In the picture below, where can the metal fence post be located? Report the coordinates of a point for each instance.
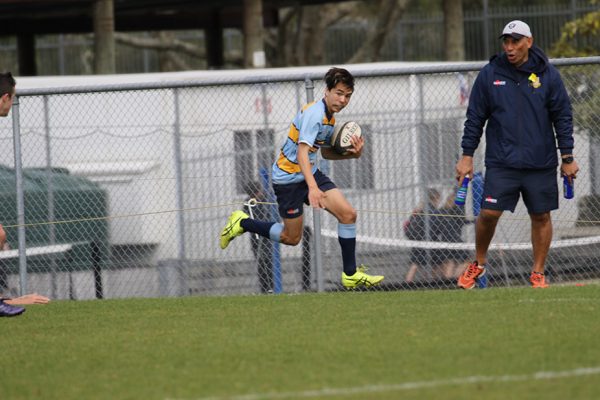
(181, 256)
(50, 188)
(264, 175)
(308, 84)
(20, 197)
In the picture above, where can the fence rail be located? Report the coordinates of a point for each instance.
(133, 183)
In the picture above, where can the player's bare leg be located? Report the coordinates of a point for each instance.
(485, 228)
(292, 231)
(541, 236)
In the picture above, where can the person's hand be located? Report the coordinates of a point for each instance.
(464, 167)
(569, 170)
(357, 146)
(32, 298)
(316, 198)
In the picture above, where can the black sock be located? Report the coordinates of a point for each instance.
(254, 226)
(348, 246)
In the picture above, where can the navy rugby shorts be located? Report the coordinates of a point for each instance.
(292, 197)
(503, 186)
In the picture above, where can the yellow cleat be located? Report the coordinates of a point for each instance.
(233, 228)
(360, 278)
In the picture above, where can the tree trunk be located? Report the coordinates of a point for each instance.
(104, 42)
(454, 32)
(254, 48)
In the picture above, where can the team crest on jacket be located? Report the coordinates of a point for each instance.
(534, 81)
(498, 82)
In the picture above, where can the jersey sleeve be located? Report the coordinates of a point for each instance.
(312, 120)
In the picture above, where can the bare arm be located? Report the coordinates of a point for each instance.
(33, 298)
(355, 152)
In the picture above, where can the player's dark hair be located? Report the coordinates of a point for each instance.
(338, 75)
(7, 83)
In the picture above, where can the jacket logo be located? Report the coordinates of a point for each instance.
(498, 82)
(534, 81)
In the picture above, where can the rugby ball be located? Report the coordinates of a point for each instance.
(340, 139)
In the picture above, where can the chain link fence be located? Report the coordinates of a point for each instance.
(124, 189)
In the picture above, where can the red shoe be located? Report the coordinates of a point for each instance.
(467, 279)
(538, 280)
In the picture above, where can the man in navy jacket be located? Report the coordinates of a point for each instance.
(528, 113)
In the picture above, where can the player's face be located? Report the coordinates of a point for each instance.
(517, 50)
(6, 102)
(338, 97)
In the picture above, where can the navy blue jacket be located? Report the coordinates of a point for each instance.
(520, 112)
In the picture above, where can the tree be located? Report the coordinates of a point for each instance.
(253, 34)
(386, 17)
(580, 38)
(454, 31)
(171, 49)
(299, 39)
(104, 44)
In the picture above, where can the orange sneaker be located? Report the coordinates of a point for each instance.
(538, 280)
(467, 279)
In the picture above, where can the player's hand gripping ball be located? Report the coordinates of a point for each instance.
(340, 140)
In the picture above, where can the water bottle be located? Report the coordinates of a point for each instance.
(482, 282)
(568, 188)
(461, 193)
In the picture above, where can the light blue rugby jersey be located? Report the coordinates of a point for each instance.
(311, 126)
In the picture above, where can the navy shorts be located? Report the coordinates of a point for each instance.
(503, 186)
(292, 197)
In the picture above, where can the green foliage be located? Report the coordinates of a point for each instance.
(580, 38)
(375, 345)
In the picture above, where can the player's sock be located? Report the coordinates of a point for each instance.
(261, 227)
(275, 232)
(347, 239)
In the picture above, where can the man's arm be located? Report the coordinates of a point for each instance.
(477, 115)
(561, 112)
(355, 152)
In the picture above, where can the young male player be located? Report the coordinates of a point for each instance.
(297, 180)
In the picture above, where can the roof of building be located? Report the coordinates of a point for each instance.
(76, 16)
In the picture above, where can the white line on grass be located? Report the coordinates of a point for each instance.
(560, 300)
(469, 380)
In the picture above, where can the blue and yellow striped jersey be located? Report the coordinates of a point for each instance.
(313, 126)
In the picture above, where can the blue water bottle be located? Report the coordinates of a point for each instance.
(568, 188)
(461, 193)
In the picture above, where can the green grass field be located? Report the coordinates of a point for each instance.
(483, 344)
